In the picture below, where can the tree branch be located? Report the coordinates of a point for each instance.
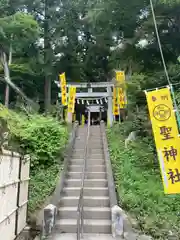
(4, 63)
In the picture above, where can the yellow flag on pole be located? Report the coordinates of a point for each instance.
(120, 77)
(121, 98)
(62, 79)
(115, 102)
(166, 137)
(71, 99)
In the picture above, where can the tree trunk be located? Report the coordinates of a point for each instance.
(47, 62)
(6, 102)
(7, 79)
(47, 94)
(7, 90)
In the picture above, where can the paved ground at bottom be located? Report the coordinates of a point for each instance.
(85, 237)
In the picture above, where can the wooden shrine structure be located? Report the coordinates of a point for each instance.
(92, 90)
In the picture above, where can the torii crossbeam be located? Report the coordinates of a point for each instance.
(107, 93)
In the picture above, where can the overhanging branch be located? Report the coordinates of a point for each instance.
(7, 79)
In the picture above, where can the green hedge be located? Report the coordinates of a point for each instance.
(139, 186)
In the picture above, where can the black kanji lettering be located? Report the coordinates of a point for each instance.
(166, 132)
(174, 176)
(171, 153)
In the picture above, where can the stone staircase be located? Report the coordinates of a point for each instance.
(97, 215)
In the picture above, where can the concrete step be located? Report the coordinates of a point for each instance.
(90, 168)
(89, 213)
(78, 150)
(95, 154)
(95, 140)
(88, 175)
(95, 137)
(78, 154)
(81, 132)
(94, 201)
(90, 157)
(94, 131)
(73, 236)
(90, 226)
(95, 151)
(90, 162)
(81, 138)
(92, 144)
(95, 191)
(79, 146)
(87, 183)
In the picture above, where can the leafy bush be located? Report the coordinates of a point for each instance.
(139, 186)
(42, 184)
(44, 139)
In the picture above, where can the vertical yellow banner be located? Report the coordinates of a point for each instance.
(166, 137)
(71, 99)
(121, 98)
(120, 76)
(115, 102)
(62, 79)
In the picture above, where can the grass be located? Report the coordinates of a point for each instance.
(139, 187)
(42, 184)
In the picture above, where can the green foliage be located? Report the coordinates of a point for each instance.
(82, 35)
(42, 184)
(19, 30)
(139, 186)
(20, 24)
(42, 137)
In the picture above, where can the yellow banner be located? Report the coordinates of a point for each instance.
(121, 98)
(166, 137)
(120, 77)
(115, 102)
(71, 99)
(62, 79)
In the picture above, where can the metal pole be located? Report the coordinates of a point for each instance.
(163, 62)
(176, 107)
(110, 115)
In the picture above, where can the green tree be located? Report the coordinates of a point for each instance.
(16, 32)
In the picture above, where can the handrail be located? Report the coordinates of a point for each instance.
(80, 209)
